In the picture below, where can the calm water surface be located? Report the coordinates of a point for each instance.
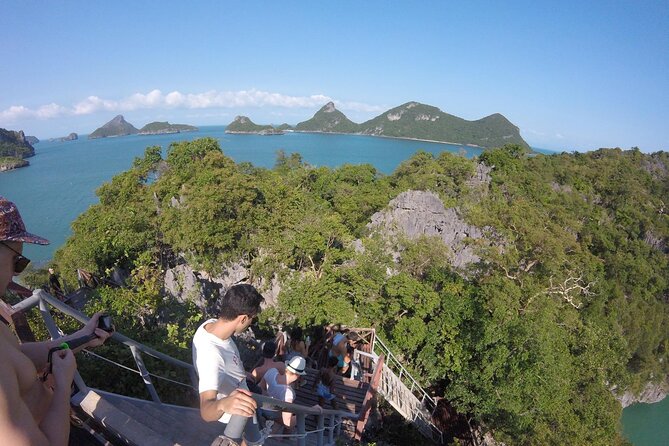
(61, 180)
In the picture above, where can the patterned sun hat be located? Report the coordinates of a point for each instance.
(12, 228)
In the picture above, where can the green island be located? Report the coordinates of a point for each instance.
(243, 125)
(159, 128)
(14, 148)
(412, 120)
(116, 127)
(559, 308)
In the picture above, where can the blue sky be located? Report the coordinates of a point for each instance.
(572, 75)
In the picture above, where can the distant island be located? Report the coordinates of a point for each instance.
(243, 125)
(14, 148)
(160, 128)
(71, 137)
(116, 127)
(412, 120)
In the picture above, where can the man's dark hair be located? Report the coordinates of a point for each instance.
(296, 334)
(268, 349)
(238, 300)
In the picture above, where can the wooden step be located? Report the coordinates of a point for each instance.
(119, 423)
(154, 424)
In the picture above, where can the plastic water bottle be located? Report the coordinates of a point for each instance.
(235, 427)
(237, 423)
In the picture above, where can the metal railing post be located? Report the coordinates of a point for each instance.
(331, 429)
(193, 379)
(338, 426)
(144, 373)
(320, 427)
(301, 441)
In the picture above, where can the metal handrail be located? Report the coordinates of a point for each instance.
(404, 372)
(41, 298)
(33, 301)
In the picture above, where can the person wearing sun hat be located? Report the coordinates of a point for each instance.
(31, 412)
(280, 386)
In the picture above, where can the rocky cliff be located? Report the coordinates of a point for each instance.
(651, 393)
(186, 284)
(422, 213)
(14, 144)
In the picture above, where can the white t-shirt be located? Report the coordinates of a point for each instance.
(217, 364)
(278, 391)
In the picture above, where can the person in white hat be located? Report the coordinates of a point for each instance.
(280, 386)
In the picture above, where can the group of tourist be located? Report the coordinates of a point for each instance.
(33, 412)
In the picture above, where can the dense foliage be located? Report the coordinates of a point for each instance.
(571, 299)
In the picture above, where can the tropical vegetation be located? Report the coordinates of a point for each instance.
(570, 301)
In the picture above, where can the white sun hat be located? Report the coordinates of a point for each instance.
(297, 365)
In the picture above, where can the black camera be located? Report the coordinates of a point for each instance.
(105, 323)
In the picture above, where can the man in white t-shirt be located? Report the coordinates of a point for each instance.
(222, 379)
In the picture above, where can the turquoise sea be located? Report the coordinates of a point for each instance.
(61, 180)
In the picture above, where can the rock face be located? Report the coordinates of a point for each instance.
(420, 213)
(14, 144)
(116, 127)
(12, 163)
(652, 393)
(185, 284)
(32, 140)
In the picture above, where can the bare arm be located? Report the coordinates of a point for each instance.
(288, 418)
(39, 351)
(17, 425)
(238, 402)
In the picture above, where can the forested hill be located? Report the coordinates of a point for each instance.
(569, 300)
(419, 121)
(116, 127)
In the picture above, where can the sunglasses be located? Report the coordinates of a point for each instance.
(20, 262)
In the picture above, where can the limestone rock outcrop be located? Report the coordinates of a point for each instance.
(652, 393)
(186, 284)
(422, 213)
